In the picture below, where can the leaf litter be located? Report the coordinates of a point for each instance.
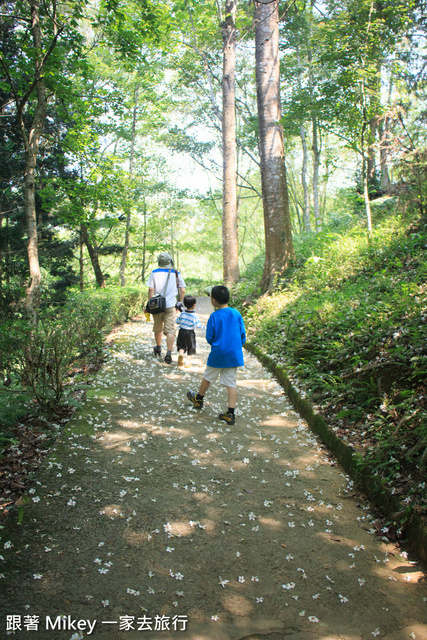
(175, 495)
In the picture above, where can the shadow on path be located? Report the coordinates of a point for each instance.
(158, 521)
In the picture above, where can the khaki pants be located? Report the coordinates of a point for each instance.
(165, 321)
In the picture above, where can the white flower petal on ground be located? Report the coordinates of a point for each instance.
(289, 585)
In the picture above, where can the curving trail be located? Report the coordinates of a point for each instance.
(150, 514)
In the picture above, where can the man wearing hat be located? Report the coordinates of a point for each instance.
(166, 281)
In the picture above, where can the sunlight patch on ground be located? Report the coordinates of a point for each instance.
(252, 383)
(272, 523)
(202, 497)
(236, 604)
(276, 421)
(118, 441)
(137, 538)
(113, 510)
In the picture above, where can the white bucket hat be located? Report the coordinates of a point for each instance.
(164, 260)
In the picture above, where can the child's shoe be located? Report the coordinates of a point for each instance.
(180, 359)
(227, 417)
(197, 403)
(157, 350)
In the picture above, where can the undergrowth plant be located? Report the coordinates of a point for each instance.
(39, 362)
(349, 323)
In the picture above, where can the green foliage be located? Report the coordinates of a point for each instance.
(128, 26)
(39, 359)
(199, 286)
(350, 326)
(248, 286)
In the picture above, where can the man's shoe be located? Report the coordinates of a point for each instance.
(180, 359)
(197, 404)
(157, 351)
(168, 358)
(227, 417)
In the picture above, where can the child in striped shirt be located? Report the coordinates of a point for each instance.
(187, 321)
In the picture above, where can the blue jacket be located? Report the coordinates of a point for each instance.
(226, 334)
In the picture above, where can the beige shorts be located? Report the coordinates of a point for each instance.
(227, 376)
(165, 321)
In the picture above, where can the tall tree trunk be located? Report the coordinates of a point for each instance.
(1, 246)
(384, 133)
(230, 249)
(363, 136)
(131, 160)
(306, 196)
(125, 251)
(81, 264)
(31, 144)
(172, 241)
(315, 132)
(365, 176)
(316, 165)
(279, 250)
(306, 208)
(144, 244)
(7, 256)
(93, 254)
(371, 159)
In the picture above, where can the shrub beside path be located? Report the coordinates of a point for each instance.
(158, 521)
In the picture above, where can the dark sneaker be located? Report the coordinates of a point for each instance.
(227, 417)
(168, 358)
(197, 404)
(157, 351)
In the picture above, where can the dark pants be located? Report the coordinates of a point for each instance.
(186, 341)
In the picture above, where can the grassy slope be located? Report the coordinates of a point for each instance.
(350, 326)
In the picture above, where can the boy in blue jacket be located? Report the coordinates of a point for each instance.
(226, 334)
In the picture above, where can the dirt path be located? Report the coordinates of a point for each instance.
(149, 514)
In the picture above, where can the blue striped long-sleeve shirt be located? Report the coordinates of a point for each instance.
(188, 320)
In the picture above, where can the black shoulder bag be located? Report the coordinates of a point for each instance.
(157, 304)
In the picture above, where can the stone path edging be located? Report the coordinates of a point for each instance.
(354, 464)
